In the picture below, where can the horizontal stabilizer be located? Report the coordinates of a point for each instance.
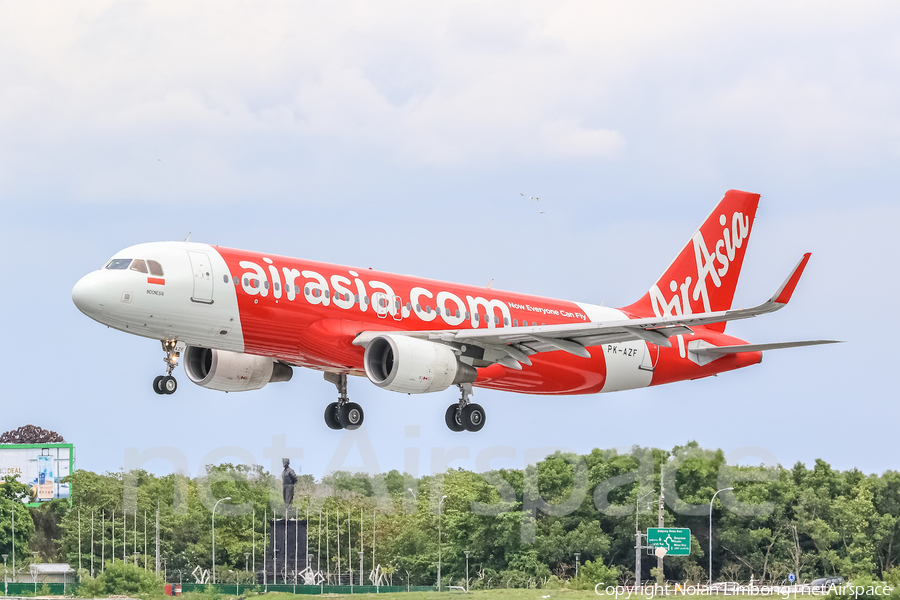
(719, 351)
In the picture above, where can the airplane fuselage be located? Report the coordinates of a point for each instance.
(307, 313)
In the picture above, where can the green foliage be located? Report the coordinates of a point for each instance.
(523, 526)
(12, 496)
(595, 572)
(120, 578)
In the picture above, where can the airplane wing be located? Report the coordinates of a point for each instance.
(510, 346)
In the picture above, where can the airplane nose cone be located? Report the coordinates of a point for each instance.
(90, 294)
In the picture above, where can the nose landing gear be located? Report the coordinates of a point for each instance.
(342, 414)
(166, 384)
(465, 415)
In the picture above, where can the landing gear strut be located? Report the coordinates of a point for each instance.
(166, 384)
(464, 415)
(342, 414)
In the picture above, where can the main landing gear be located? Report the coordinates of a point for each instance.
(465, 415)
(342, 414)
(166, 384)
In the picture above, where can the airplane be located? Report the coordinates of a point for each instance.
(245, 319)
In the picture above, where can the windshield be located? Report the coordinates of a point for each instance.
(118, 263)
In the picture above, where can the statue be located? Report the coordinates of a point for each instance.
(288, 479)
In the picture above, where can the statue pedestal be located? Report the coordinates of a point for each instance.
(285, 552)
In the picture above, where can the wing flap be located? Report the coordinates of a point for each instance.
(720, 351)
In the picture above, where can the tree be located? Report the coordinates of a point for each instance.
(12, 496)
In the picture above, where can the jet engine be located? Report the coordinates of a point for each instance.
(232, 371)
(409, 365)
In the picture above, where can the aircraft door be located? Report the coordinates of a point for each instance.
(397, 308)
(203, 277)
(650, 357)
(381, 304)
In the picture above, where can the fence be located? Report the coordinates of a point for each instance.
(63, 589)
(231, 588)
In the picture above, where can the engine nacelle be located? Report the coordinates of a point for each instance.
(232, 371)
(412, 366)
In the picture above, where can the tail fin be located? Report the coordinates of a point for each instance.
(703, 277)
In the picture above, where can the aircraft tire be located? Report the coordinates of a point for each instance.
(351, 416)
(472, 417)
(331, 416)
(168, 385)
(156, 385)
(452, 418)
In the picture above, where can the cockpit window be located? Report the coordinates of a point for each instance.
(139, 265)
(118, 264)
(155, 268)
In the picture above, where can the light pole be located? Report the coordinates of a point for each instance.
(439, 540)
(577, 554)
(467, 570)
(247, 561)
(5, 584)
(360, 567)
(214, 537)
(710, 530)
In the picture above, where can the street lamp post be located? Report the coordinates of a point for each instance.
(5, 584)
(467, 570)
(214, 537)
(710, 530)
(360, 567)
(577, 554)
(439, 540)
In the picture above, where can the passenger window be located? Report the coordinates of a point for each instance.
(327, 295)
(266, 284)
(457, 314)
(505, 322)
(225, 278)
(418, 308)
(246, 281)
(139, 266)
(477, 317)
(306, 291)
(356, 298)
(296, 289)
(515, 322)
(118, 264)
(428, 309)
(467, 315)
(409, 306)
(365, 300)
(155, 268)
(496, 320)
(277, 287)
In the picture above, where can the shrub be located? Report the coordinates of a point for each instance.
(592, 573)
(120, 578)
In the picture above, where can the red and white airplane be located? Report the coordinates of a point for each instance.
(244, 319)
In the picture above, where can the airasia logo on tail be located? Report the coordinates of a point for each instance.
(710, 265)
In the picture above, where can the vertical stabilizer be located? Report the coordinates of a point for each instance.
(704, 276)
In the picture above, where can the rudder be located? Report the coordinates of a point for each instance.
(704, 275)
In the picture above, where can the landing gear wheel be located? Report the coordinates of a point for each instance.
(452, 418)
(331, 416)
(351, 416)
(168, 385)
(472, 417)
(156, 384)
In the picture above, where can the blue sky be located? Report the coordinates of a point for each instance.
(399, 135)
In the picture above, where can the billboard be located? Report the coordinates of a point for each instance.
(41, 467)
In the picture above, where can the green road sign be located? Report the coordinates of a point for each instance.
(676, 540)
